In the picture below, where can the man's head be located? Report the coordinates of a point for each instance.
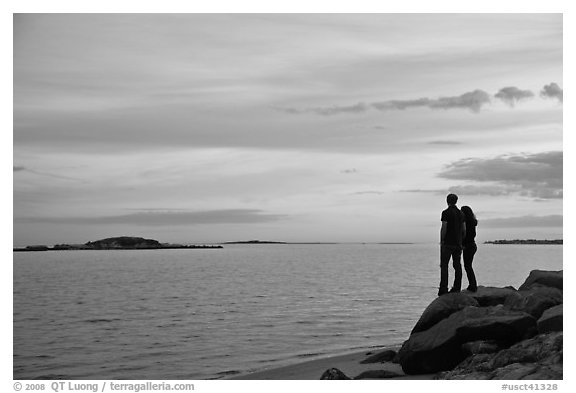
(451, 199)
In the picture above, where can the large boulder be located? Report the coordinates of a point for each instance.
(333, 373)
(445, 305)
(551, 320)
(492, 296)
(543, 278)
(535, 300)
(538, 358)
(440, 347)
(496, 323)
(442, 307)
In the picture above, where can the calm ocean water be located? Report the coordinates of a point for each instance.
(199, 314)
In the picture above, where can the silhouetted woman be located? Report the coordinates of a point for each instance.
(470, 248)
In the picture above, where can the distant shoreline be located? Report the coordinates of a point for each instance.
(154, 245)
(149, 244)
(182, 247)
(526, 241)
(116, 243)
(312, 243)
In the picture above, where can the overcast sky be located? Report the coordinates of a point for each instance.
(345, 127)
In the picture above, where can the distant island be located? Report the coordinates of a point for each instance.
(117, 243)
(309, 243)
(526, 241)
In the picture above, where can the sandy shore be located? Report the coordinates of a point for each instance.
(349, 364)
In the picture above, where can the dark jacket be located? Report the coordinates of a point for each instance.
(455, 220)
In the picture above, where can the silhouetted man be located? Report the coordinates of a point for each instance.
(451, 235)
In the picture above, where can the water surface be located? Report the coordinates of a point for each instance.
(210, 313)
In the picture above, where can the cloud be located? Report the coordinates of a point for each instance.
(523, 221)
(534, 175)
(330, 110)
(166, 218)
(511, 95)
(473, 101)
(401, 104)
(552, 91)
(18, 168)
(491, 190)
(356, 108)
(349, 171)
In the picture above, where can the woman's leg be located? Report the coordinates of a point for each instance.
(468, 255)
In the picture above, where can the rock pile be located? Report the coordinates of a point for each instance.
(495, 333)
(537, 358)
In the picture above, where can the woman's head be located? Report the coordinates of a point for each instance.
(468, 213)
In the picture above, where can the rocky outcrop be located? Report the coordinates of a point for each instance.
(334, 373)
(490, 324)
(444, 306)
(553, 279)
(441, 308)
(535, 300)
(494, 333)
(551, 320)
(440, 347)
(537, 358)
(482, 346)
(492, 296)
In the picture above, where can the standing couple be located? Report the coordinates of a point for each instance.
(457, 238)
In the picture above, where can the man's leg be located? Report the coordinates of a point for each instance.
(456, 253)
(444, 260)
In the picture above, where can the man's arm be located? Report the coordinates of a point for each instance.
(443, 231)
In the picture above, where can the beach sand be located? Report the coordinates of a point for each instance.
(349, 364)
